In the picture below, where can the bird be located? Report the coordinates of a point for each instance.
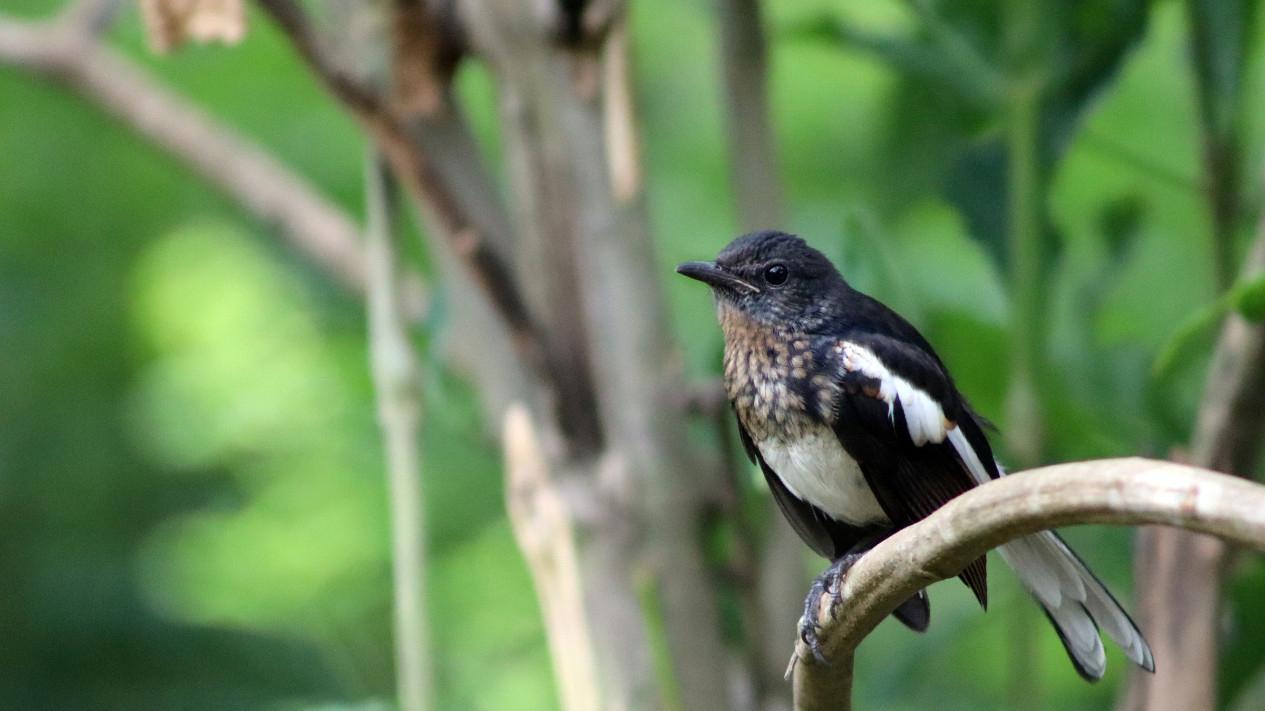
(860, 431)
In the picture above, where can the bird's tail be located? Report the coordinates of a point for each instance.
(1077, 603)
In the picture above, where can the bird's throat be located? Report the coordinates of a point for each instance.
(769, 374)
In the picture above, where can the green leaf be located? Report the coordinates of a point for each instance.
(1195, 331)
(1249, 299)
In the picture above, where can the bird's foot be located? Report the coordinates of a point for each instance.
(829, 583)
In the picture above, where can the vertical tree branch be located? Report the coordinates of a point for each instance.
(1178, 574)
(1231, 420)
(1177, 583)
(623, 140)
(611, 606)
(639, 371)
(545, 208)
(397, 384)
(587, 239)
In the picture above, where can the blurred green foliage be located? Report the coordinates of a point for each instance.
(192, 510)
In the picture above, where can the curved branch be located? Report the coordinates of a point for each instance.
(1113, 491)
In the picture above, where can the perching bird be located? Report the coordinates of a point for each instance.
(860, 431)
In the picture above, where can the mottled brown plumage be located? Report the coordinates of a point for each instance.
(766, 373)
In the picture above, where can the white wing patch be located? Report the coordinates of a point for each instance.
(923, 415)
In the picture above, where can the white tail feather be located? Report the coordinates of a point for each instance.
(1076, 601)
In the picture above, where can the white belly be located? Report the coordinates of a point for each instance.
(816, 468)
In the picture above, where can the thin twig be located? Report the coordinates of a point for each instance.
(1127, 491)
(397, 382)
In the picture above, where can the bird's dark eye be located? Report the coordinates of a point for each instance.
(776, 274)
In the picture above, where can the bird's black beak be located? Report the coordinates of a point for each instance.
(714, 275)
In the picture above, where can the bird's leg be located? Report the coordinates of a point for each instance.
(830, 582)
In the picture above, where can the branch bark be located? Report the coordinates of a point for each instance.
(1127, 491)
(68, 52)
(574, 174)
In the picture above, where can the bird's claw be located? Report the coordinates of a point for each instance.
(809, 625)
(830, 582)
(808, 633)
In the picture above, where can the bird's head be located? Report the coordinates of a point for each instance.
(772, 278)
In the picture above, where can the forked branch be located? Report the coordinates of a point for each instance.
(470, 242)
(1127, 491)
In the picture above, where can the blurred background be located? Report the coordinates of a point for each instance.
(193, 507)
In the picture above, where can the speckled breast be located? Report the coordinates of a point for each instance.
(770, 377)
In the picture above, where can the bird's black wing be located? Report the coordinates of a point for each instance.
(898, 414)
(826, 536)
